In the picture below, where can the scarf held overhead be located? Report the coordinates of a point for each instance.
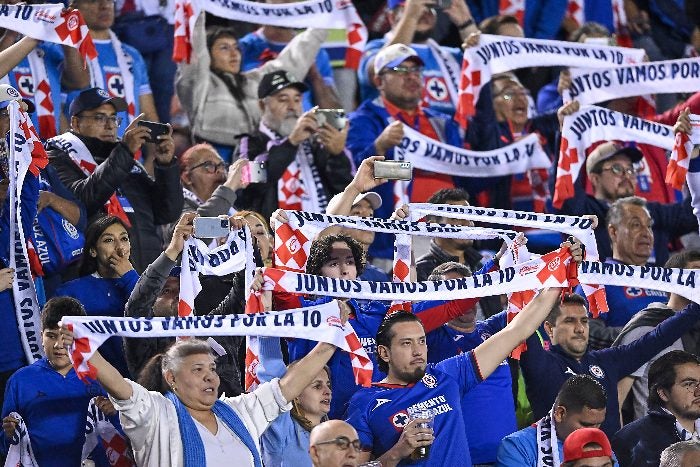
(434, 156)
(51, 23)
(320, 323)
(328, 14)
(671, 76)
(592, 124)
(498, 54)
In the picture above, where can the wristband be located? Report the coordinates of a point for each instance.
(466, 24)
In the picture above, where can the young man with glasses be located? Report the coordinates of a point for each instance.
(612, 171)
(674, 410)
(334, 443)
(101, 171)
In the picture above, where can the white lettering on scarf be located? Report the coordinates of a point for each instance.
(591, 124)
(593, 86)
(23, 142)
(125, 64)
(547, 445)
(434, 156)
(20, 451)
(49, 23)
(319, 323)
(329, 14)
(498, 54)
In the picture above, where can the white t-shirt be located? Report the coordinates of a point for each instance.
(225, 446)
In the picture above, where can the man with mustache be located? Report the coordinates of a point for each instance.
(306, 163)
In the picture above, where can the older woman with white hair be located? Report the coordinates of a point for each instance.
(188, 426)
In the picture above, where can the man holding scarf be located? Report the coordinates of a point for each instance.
(580, 404)
(306, 163)
(100, 170)
(376, 127)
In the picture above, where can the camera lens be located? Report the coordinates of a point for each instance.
(224, 223)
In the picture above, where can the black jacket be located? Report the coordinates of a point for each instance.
(154, 201)
(641, 442)
(334, 170)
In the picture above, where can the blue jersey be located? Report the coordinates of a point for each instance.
(624, 302)
(380, 412)
(54, 408)
(257, 49)
(436, 95)
(114, 82)
(22, 79)
(489, 408)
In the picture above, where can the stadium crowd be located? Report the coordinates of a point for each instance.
(139, 165)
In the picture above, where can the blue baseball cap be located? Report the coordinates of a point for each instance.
(93, 98)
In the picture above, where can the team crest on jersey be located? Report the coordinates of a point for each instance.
(436, 87)
(633, 292)
(485, 335)
(70, 229)
(430, 381)
(25, 84)
(596, 371)
(115, 84)
(399, 420)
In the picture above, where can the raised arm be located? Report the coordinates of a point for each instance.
(363, 181)
(15, 53)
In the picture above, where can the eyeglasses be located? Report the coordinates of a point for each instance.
(343, 442)
(690, 385)
(102, 119)
(404, 70)
(210, 167)
(619, 170)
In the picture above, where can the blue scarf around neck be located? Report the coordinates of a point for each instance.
(192, 445)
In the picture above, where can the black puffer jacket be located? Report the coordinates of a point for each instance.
(155, 201)
(641, 442)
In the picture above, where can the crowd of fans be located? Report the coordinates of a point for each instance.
(107, 220)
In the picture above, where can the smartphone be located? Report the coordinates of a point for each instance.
(211, 227)
(157, 129)
(254, 172)
(441, 4)
(393, 170)
(334, 117)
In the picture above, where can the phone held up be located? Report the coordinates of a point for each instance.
(211, 227)
(393, 170)
(254, 172)
(157, 129)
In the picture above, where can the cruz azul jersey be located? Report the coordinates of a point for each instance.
(380, 412)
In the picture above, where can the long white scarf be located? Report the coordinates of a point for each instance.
(434, 156)
(293, 239)
(327, 14)
(448, 67)
(498, 54)
(98, 429)
(80, 155)
(125, 64)
(49, 23)
(42, 95)
(671, 76)
(591, 124)
(319, 323)
(20, 452)
(547, 445)
(26, 155)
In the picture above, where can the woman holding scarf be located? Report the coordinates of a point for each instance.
(106, 280)
(189, 426)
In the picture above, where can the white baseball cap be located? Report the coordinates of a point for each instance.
(372, 197)
(394, 55)
(8, 94)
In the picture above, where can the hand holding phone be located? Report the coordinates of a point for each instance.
(211, 227)
(393, 170)
(157, 129)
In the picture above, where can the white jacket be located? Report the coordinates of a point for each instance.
(150, 421)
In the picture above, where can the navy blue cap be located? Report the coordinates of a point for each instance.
(93, 98)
